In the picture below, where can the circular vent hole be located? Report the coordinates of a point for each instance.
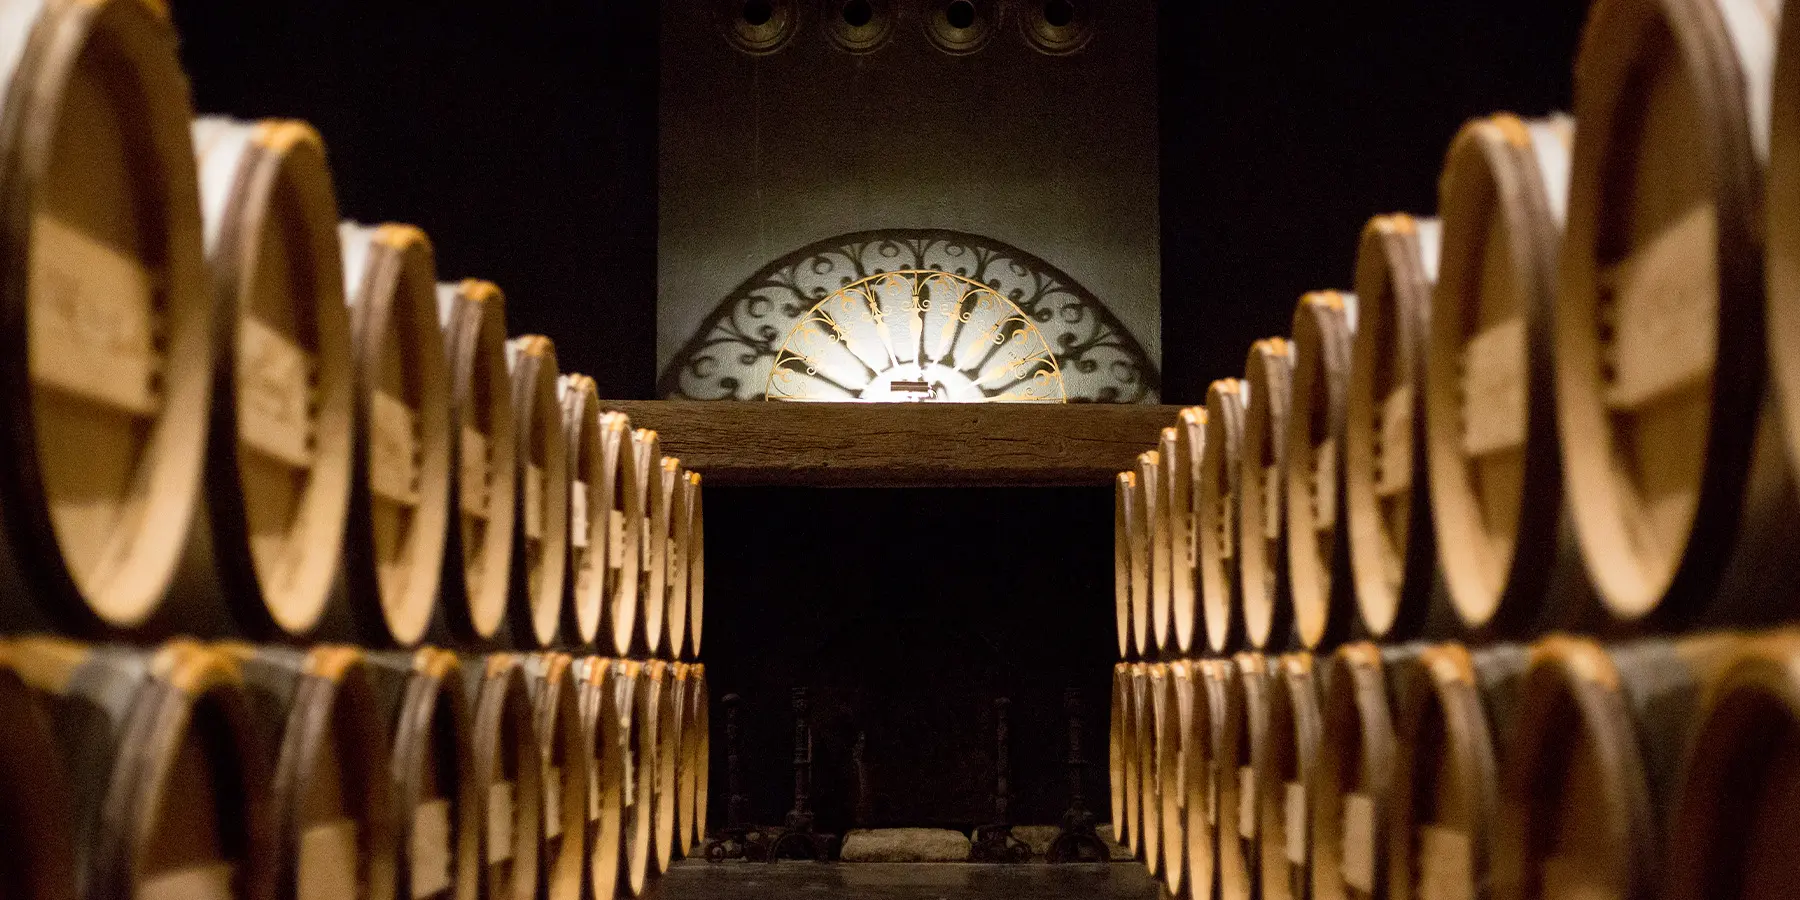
(858, 13)
(960, 14)
(1059, 12)
(758, 12)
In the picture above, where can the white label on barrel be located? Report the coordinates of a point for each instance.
(393, 449)
(500, 822)
(1445, 870)
(1324, 484)
(534, 502)
(1393, 462)
(430, 848)
(202, 881)
(552, 802)
(615, 539)
(91, 321)
(1664, 307)
(274, 378)
(474, 473)
(1246, 805)
(1358, 863)
(578, 513)
(328, 861)
(1295, 821)
(1271, 498)
(1493, 389)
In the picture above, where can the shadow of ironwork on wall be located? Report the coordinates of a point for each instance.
(730, 356)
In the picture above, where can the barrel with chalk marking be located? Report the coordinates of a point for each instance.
(478, 555)
(1318, 535)
(432, 779)
(506, 776)
(399, 491)
(541, 509)
(1243, 765)
(564, 756)
(106, 361)
(606, 731)
(1352, 778)
(1293, 739)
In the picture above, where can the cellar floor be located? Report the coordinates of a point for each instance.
(696, 880)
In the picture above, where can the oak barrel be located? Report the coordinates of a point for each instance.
(641, 686)
(325, 743)
(565, 756)
(1216, 499)
(1596, 740)
(1458, 709)
(622, 533)
(696, 755)
(1293, 740)
(606, 728)
(1262, 503)
(106, 360)
(506, 775)
(1136, 716)
(1351, 786)
(541, 512)
(1124, 503)
(266, 544)
(696, 563)
(400, 487)
(478, 554)
(1682, 498)
(1121, 752)
(1145, 510)
(585, 580)
(1170, 745)
(165, 761)
(1318, 536)
(1735, 806)
(1243, 761)
(432, 778)
(1190, 445)
(1162, 546)
(1393, 551)
(1507, 550)
(672, 525)
(652, 544)
(1150, 720)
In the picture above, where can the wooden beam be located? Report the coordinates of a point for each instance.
(902, 444)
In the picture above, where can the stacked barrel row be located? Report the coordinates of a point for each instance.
(230, 415)
(236, 772)
(1482, 582)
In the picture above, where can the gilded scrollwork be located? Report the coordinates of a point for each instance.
(852, 317)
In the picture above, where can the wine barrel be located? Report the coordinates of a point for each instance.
(1782, 273)
(37, 819)
(1143, 552)
(1262, 505)
(1735, 806)
(107, 357)
(1318, 547)
(666, 709)
(1590, 762)
(1121, 753)
(478, 553)
(585, 581)
(696, 563)
(1393, 552)
(696, 755)
(160, 748)
(541, 512)
(321, 727)
(1202, 776)
(266, 542)
(1216, 498)
(1458, 707)
(438, 812)
(1170, 745)
(565, 756)
(393, 556)
(1243, 765)
(652, 544)
(607, 730)
(506, 776)
(1506, 548)
(1162, 546)
(1149, 779)
(1682, 499)
(1351, 783)
(674, 510)
(626, 506)
(1124, 511)
(1190, 441)
(1293, 740)
(640, 691)
(1140, 735)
